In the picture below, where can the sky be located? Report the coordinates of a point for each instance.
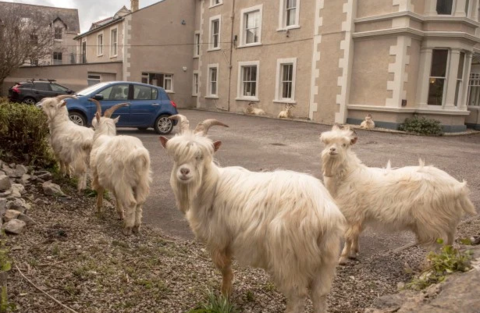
(89, 10)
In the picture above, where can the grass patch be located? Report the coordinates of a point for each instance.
(449, 260)
(215, 304)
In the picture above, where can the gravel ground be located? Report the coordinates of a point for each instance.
(82, 259)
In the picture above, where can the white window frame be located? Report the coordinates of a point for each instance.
(196, 83)
(282, 19)
(211, 47)
(447, 74)
(100, 46)
(90, 77)
(209, 87)
(61, 33)
(196, 44)
(459, 81)
(213, 4)
(170, 78)
(111, 42)
(240, 95)
(278, 88)
(243, 36)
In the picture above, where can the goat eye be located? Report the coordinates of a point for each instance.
(199, 158)
(344, 145)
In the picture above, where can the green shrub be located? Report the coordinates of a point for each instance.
(23, 135)
(422, 126)
(448, 261)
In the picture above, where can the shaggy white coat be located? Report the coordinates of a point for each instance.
(70, 142)
(368, 123)
(284, 222)
(120, 164)
(422, 199)
(253, 110)
(287, 113)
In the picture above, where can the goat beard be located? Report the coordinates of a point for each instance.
(331, 164)
(185, 194)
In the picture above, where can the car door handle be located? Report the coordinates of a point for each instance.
(155, 104)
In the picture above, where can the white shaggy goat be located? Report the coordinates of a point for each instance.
(253, 110)
(284, 222)
(422, 199)
(120, 164)
(368, 123)
(287, 113)
(70, 142)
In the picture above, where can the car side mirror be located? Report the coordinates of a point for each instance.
(69, 91)
(98, 97)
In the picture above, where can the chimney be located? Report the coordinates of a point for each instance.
(134, 5)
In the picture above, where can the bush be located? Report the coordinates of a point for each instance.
(446, 262)
(23, 135)
(422, 126)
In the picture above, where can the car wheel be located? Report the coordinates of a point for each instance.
(163, 125)
(29, 100)
(77, 118)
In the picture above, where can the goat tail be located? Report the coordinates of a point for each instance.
(462, 193)
(139, 159)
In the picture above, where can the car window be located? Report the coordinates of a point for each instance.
(144, 93)
(26, 86)
(42, 86)
(58, 88)
(116, 92)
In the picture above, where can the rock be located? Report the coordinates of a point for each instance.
(3, 205)
(45, 176)
(25, 179)
(17, 191)
(27, 219)
(7, 170)
(20, 170)
(52, 189)
(10, 215)
(6, 193)
(459, 293)
(19, 205)
(19, 187)
(14, 227)
(5, 183)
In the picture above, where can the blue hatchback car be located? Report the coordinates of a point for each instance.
(149, 106)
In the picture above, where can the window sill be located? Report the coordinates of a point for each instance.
(99, 55)
(286, 101)
(284, 29)
(170, 91)
(215, 5)
(196, 56)
(253, 99)
(195, 96)
(212, 97)
(114, 56)
(214, 49)
(58, 40)
(250, 45)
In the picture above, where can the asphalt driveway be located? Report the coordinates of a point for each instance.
(268, 144)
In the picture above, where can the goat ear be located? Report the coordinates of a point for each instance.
(115, 120)
(353, 140)
(216, 145)
(163, 141)
(63, 103)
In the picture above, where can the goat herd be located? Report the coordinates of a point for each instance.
(285, 222)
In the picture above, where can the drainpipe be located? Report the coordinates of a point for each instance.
(232, 45)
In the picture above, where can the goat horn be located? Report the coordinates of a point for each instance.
(63, 97)
(110, 111)
(203, 127)
(184, 123)
(99, 106)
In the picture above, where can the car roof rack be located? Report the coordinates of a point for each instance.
(49, 80)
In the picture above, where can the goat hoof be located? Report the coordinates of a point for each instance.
(120, 217)
(353, 256)
(127, 231)
(136, 229)
(343, 260)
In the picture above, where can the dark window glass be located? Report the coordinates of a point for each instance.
(42, 86)
(143, 93)
(444, 7)
(58, 88)
(117, 92)
(439, 63)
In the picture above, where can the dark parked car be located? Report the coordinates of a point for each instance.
(149, 106)
(31, 92)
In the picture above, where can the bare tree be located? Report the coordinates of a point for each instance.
(25, 35)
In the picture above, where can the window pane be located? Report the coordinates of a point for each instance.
(461, 65)
(291, 17)
(42, 86)
(435, 92)
(117, 92)
(444, 6)
(439, 63)
(142, 92)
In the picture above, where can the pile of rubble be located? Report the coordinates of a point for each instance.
(15, 180)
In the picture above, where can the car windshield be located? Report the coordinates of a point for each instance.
(89, 90)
